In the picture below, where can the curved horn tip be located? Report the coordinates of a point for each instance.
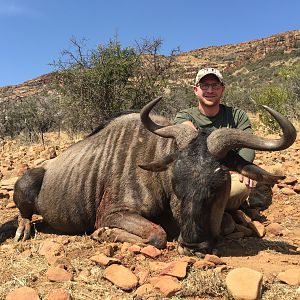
(156, 100)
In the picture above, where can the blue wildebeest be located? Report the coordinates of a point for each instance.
(129, 184)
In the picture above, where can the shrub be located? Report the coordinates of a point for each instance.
(96, 84)
(31, 116)
(278, 98)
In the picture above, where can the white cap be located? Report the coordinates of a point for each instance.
(206, 71)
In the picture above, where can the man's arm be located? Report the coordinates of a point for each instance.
(248, 154)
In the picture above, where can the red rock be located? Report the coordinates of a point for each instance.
(290, 276)
(23, 293)
(54, 260)
(155, 266)
(214, 259)
(58, 295)
(58, 274)
(121, 277)
(288, 191)
(175, 269)
(167, 285)
(275, 229)
(290, 180)
(104, 260)
(145, 290)
(258, 228)
(202, 264)
(134, 249)
(49, 248)
(151, 251)
(281, 185)
(244, 283)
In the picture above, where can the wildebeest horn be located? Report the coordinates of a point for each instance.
(236, 163)
(183, 134)
(220, 141)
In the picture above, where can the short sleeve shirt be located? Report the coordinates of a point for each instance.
(228, 117)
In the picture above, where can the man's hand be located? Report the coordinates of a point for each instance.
(190, 124)
(247, 181)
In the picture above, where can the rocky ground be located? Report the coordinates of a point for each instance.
(260, 247)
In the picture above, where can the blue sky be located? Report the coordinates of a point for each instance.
(34, 32)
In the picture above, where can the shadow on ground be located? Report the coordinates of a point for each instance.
(251, 246)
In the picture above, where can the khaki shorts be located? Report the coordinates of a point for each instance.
(238, 194)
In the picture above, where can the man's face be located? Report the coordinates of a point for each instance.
(209, 91)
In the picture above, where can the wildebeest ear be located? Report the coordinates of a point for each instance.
(161, 164)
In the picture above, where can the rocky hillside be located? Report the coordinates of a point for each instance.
(233, 59)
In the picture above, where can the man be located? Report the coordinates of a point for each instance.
(209, 88)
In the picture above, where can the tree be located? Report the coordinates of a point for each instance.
(95, 84)
(30, 115)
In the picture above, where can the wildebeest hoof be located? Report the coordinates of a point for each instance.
(189, 252)
(215, 251)
(101, 234)
(23, 229)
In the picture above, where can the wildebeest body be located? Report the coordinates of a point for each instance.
(104, 168)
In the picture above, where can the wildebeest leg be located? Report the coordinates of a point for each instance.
(130, 227)
(26, 191)
(23, 229)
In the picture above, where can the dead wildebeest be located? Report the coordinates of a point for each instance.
(123, 179)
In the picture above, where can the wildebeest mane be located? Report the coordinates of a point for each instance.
(111, 118)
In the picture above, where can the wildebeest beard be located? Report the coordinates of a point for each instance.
(199, 182)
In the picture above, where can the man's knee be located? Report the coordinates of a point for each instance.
(238, 194)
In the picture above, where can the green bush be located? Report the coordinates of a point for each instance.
(278, 98)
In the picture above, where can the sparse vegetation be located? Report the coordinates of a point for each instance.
(31, 117)
(96, 84)
(278, 98)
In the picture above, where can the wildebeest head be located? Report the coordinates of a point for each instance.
(200, 170)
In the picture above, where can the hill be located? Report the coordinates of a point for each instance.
(247, 62)
(244, 58)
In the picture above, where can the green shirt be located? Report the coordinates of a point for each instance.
(228, 117)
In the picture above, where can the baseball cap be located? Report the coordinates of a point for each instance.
(203, 72)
